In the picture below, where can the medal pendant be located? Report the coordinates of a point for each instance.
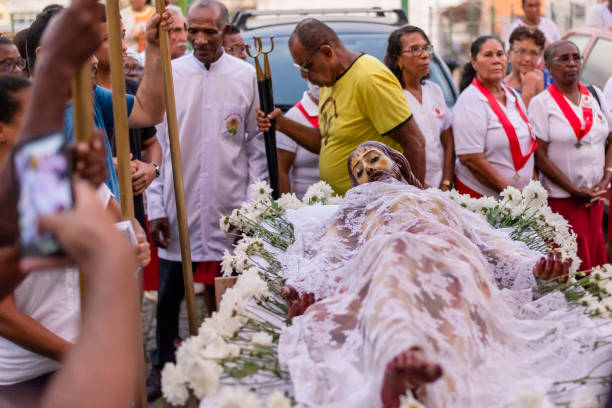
(516, 177)
(578, 145)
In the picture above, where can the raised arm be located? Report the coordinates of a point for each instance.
(149, 102)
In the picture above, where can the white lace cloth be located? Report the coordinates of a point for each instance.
(398, 267)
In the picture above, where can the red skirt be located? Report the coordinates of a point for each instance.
(463, 189)
(586, 222)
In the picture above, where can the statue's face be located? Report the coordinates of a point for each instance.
(368, 162)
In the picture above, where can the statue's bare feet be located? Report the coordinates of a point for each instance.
(409, 370)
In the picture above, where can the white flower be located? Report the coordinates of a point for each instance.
(174, 385)
(224, 223)
(233, 301)
(217, 349)
(262, 338)
(204, 377)
(289, 201)
(318, 193)
(260, 190)
(241, 262)
(236, 397)
(511, 197)
(278, 400)
(251, 285)
(227, 264)
(535, 195)
(408, 401)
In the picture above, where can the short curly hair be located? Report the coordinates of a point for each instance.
(525, 33)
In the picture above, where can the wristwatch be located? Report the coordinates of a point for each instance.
(156, 169)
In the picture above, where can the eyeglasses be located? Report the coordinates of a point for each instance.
(9, 64)
(522, 52)
(305, 66)
(235, 49)
(566, 58)
(417, 50)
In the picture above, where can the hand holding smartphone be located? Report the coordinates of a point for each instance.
(43, 178)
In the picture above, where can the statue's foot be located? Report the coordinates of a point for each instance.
(298, 307)
(409, 370)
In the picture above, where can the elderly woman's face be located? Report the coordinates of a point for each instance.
(565, 64)
(490, 62)
(368, 161)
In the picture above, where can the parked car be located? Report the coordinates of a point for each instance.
(595, 44)
(366, 30)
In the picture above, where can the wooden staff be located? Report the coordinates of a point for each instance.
(82, 107)
(124, 173)
(177, 172)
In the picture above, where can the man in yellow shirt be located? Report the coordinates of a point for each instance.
(360, 100)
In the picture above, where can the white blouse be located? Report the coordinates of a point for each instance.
(477, 129)
(432, 117)
(583, 166)
(305, 169)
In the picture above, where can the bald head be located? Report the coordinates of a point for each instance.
(311, 34)
(217, 6)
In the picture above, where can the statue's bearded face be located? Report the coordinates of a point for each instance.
(370, 164)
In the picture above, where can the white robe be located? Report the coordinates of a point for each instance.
(222, 152)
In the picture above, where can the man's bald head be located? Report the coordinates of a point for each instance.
(311, 34)
(220, 9)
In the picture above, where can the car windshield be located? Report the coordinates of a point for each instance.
(288, 85)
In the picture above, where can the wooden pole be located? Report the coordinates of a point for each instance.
(124, 173)
(82, 106)
(177, 173)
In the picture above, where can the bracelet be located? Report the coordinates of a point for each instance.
(447, 183)
(608, 169)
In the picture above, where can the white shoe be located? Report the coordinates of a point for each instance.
(151, 295)
(198, 288)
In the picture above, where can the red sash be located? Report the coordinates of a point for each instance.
(314, 120)
(463, 189)
(570, 115)
(515, 148)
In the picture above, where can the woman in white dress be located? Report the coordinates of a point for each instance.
(408, 57)
(493, 138)
(573, 124)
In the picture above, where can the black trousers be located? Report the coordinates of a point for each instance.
(169, 297)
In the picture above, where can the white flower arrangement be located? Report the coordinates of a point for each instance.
(528, 215)
(235, 345)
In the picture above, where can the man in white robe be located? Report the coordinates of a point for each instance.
(222, 153)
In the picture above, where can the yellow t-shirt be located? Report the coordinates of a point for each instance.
(365, 103)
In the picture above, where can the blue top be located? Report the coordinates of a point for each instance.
(103, 119)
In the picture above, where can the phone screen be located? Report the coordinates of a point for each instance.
(42, 169)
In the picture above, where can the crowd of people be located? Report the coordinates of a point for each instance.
(522, 114)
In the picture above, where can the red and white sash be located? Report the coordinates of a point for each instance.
(518, 158)
(314, 120)
(570, 115)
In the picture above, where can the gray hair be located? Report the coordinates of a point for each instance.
(175, 10)
(550, 51)
(223, 13)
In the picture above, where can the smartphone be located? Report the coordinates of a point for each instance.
(43, 182)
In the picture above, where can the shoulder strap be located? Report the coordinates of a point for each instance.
(593, 92)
